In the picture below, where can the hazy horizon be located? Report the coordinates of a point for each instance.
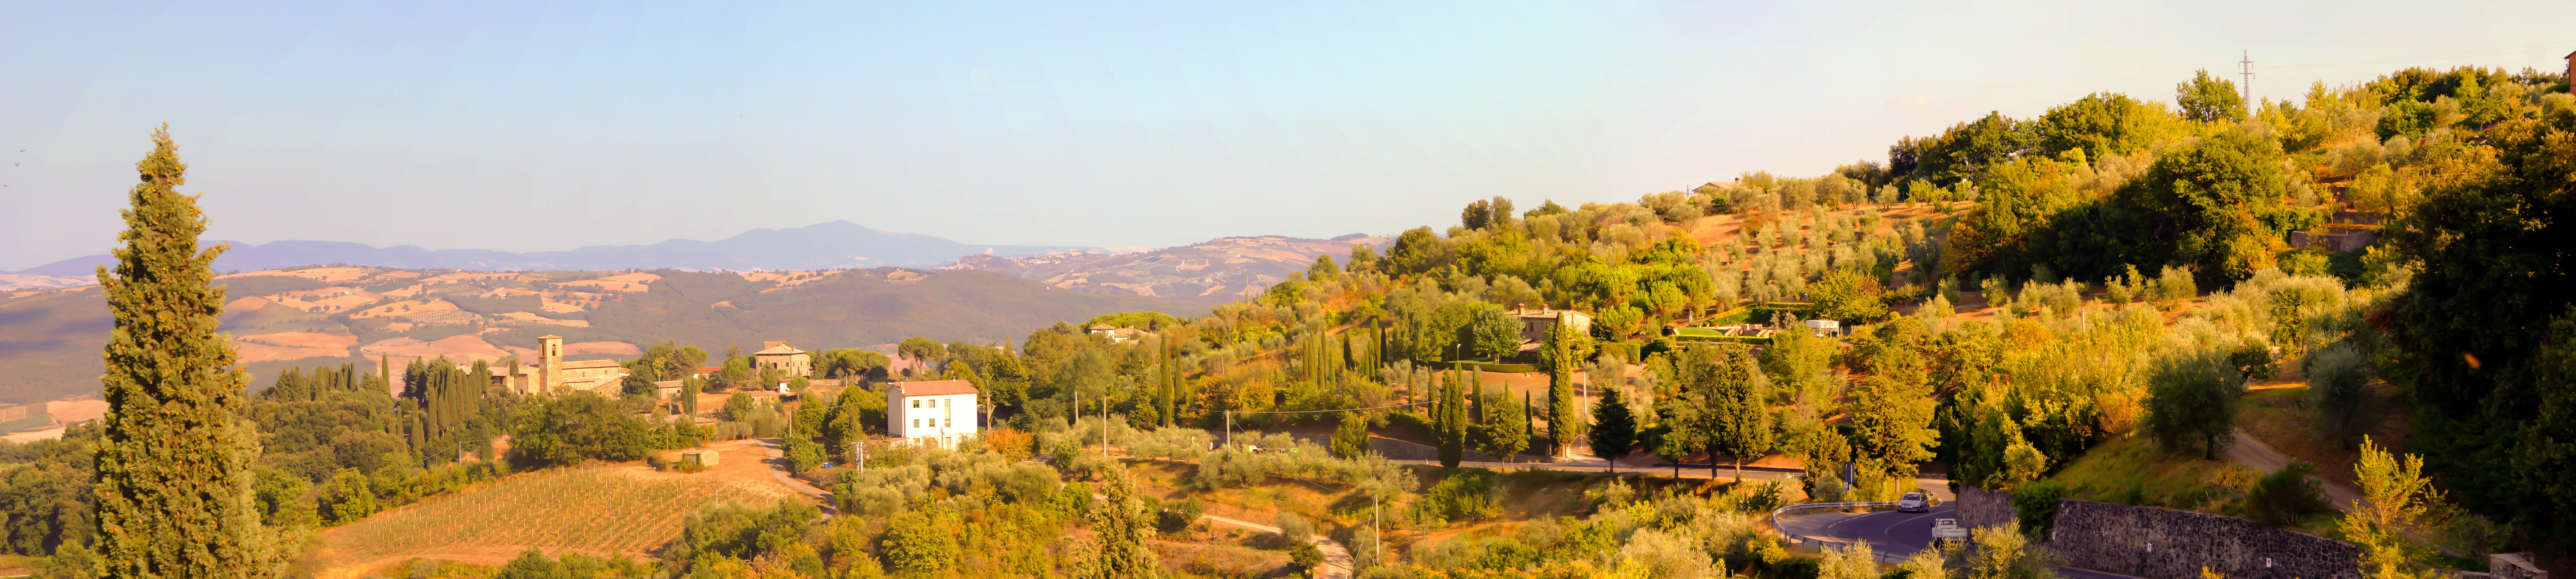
(540, 128)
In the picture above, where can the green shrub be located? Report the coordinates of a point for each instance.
(1461, 496)
(922, 541)
(1610, 495)
(1305, 557)
(2036, 504)
(803, 454)
(2280, 498)
(1180, 515)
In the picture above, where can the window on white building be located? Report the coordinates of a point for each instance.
(916, 404)
(916, 423)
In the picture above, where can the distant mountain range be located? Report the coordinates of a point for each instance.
(49, 339)
(1215, 271)
(835, 244)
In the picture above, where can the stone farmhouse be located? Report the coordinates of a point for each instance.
(1534, 323)
(933, 412)
(782, 357)
(1118, 335)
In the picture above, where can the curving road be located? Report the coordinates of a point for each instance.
(1892, 535)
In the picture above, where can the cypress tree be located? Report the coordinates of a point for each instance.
(1564, 422)
(1476, 404)
(174, 458)
(1450, 422)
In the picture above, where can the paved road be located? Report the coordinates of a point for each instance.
(1938, 487)
(1892, 535)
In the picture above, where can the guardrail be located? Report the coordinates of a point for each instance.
(1794, 538)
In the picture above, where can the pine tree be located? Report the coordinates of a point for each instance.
(1123, 525)
(1614, 429)
(1739, 421)
(174, 459)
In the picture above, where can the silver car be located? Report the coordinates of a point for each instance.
(1914, 502)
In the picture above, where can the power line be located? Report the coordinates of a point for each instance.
(2494, 51)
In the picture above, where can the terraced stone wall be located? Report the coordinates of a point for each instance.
(2158, 543)
(1980, 508)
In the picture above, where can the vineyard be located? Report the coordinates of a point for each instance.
(598, 510)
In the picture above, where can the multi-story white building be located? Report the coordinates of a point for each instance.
(936, 412)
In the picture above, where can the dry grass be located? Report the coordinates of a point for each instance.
(622, 510)
(1220, 560)
(2132, 463)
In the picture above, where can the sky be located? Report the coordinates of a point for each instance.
(533, 126)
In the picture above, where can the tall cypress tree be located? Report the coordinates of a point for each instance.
(174, 457)
(1564, 421)
(1449, 422)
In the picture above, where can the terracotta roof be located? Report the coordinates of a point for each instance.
(935, 387)
(1101, 327)
(778, 348)
(710, 369)
(549, 337)
(667, 384)
(590, 364)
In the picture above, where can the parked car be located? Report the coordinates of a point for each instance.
(1914, 502)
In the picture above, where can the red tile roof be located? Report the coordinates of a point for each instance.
(936, 387)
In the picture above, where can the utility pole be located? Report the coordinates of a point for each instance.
(2245, 68)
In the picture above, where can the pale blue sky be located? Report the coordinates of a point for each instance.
(526, 127)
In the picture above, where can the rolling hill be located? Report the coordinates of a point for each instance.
(835, 244)
(50, 340)
(1212, 272)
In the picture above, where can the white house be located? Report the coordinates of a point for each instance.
(939, 412)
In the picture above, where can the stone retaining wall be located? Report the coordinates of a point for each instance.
(1980, 508)
(2155, 543)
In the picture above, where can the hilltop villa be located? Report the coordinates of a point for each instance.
(936, 412)
(552, 374)
(782, 357)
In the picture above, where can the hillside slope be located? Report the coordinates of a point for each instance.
(49, 340)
